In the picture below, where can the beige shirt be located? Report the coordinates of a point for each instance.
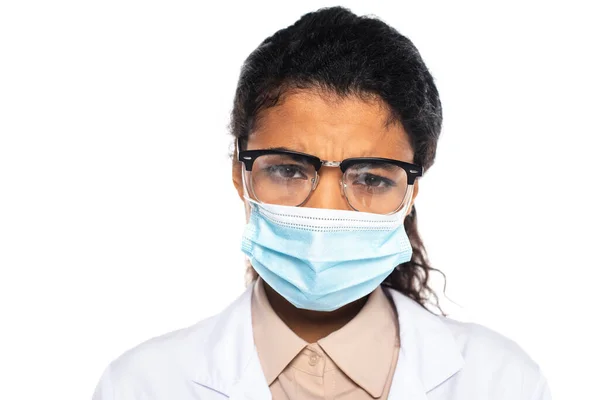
(355, 362)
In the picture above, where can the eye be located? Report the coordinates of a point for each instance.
(287, 171)
(372, 181)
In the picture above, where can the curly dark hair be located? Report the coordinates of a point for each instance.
(335, 50)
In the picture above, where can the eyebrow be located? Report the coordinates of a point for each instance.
(380, 165)
(362, 155)
(373, 164)
(283, 149)
(298, 156)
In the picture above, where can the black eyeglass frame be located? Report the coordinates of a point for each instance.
(248, 157)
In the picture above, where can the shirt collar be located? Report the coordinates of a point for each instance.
(276, 343)
(362, 349)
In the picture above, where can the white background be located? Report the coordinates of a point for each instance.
(119, 222)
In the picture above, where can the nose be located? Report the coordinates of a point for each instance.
(328, 193)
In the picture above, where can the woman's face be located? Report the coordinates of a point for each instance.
(332, 129)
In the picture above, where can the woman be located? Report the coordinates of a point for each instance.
(335, 119)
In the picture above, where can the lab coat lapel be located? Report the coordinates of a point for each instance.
(252, 384)
(428, 355)
(228, 363)
(406, 383)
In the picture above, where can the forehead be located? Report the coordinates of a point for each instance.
(331, 127)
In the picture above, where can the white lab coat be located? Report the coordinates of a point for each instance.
(215, 359)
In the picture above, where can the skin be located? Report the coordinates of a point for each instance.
(331, 128)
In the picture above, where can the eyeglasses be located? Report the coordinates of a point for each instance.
(369, 184)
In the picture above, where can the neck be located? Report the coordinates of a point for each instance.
(312, 325)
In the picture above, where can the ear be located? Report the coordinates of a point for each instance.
(414, 195)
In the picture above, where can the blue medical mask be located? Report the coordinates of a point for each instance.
(322, 259)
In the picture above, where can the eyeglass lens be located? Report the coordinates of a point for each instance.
(377, 187)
